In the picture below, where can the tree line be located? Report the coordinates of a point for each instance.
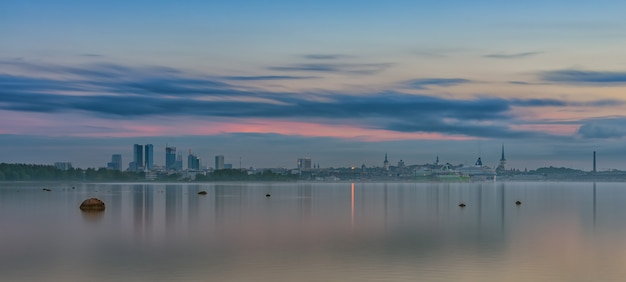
(33, 172)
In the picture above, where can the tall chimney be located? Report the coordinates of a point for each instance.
(594, 161)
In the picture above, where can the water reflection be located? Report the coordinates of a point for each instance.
(396, 231)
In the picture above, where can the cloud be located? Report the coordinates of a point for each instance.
(92, 55)
(511, 56)
(121, 92)
(268, 77)
(603, 128)
(563, 103)
(520, 83)
(573, 76)
(424, 83)
(325, 56)
(354, 69)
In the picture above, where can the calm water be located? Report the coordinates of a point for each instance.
(314, 232)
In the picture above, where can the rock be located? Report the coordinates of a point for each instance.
(92, 204)
(267, 195)
(46, 189)
(462, 205)
(202, 193)
(518, 203)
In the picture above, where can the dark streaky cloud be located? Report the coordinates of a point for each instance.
(325, 56)
(424, 83)
(573, 76)
(511, 56)
(341, 68)
(122, 92)
(603, 128)
(268, 77)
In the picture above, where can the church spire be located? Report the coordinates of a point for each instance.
(386, 163)
(502, 167)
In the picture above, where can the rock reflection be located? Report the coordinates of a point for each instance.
(92, 215)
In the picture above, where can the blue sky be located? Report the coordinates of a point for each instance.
(341, 82)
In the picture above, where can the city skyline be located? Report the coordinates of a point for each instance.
(341, 82)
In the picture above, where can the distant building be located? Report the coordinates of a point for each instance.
(193, 162)
(179, 162)
(137, 157)
(116, 162)
(149, 157)
(219, 162)
(304, 164)
(170, 158)
(386, 163)
(401, 164)
(228, 166)
(63, 165)
(502, 167)
(132, 166)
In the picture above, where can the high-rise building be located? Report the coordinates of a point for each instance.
(304, 164)
(219, 162)
(179, 162)
(149, 156)
(193, 162)
(138, 157)
(116, 162)
(170, 158)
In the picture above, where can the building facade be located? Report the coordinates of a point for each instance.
(219, 162)
(116, 162)
(304, 164)
(193, 162)
(137, 164)
(170, 158)
(149, 156)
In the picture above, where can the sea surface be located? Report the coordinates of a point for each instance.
(314, 232)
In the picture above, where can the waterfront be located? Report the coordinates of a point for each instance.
(562, 231)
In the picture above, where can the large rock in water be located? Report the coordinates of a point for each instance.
(92, 204)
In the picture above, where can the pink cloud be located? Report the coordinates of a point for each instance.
(84, 126)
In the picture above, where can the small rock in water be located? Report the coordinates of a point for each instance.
(518, 203)
(202, 193)
(462, 205)
(267, 195)
(46, 189)
(92, 204)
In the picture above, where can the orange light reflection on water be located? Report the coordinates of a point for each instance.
(352, 208)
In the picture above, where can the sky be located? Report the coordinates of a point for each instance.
(342, 82)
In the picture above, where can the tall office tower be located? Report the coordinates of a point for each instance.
(219, 162)
(304, 164)
(193, 162)
(116, 162)
(170, 158)
(138, 157)
(149, 156)
(386, 163)
(179, 162)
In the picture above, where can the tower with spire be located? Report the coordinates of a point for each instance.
(386, 163)
(502, 167)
